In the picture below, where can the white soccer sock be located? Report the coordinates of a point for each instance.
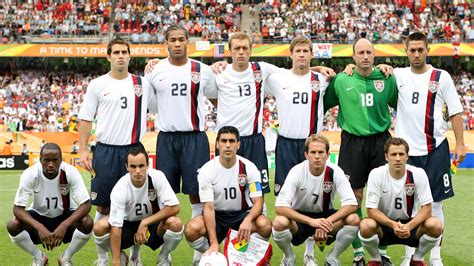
(134, 251)
(409, 251)
(344, 238)
(103, 245)
(371, 244)
(98, 216)
(79, 239)
(201, 244)
(170, 242)
(257, 235)
(283, 240)
(426, 243)
(196, 209)
(23, 240)
(309, 247)
(197, 256)
(437, 211)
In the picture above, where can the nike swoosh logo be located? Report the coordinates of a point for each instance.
(107, 93)
(264, 187)
(447, 191)
(348, 89)
(301, 189)
(226, 81)
(162, 79)
(385, 191)
(403, 85)
(285, 88)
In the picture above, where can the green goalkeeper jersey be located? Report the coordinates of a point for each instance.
(363, 102)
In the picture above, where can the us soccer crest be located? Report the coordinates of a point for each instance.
(277, 187)
(93, 195)
(242, 180)
(257, 75)
(328, 187)
(315, 85)
(138, 90)
(410, 189)
(433, 86)
(379, 85)
(64, 189)
(151, 194)
(195, 77)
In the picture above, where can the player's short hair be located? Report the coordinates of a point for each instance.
(51, 146)
(117, 41)
(316, 138)
(176, 27)
(240, 36)
(354, 45)
(134, 151)
(301, 40)
(395, 142)
(228, 129)
(417, 36)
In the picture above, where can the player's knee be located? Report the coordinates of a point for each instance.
(191, 231)
(367, 227)
(433, 227)
(101, 227)
(264, 226)
(352, 219)
(174, 224)
(86, 224)
(281, 223)
(14, 226)
(104, 210)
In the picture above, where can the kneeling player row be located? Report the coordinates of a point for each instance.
(144, 207)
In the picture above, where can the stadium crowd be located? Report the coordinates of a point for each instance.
(34, 101)
(144, 21)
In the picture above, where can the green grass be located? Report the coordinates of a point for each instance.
(458, 244)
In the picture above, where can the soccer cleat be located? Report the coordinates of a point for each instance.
(64, 261)
(374, 263)
(164, 261)
(358, 261)
(288, 262)
(436, 262)
(332, 262)
(101, 262)
(309, 261)
(136, 262)
(123, 258)
(40, 262)
(417, 262)
(386, 261)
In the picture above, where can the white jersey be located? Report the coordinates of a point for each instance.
(425, 103)
(47, 197)
(305, 192)
(130, 203)
(299, 100)
(389, 195)
(180, 94)
(241, 96)
(120, 107)
(229, 189)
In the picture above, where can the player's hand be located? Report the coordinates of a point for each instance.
(320, 235)
(46, 238)
(150, 66)
(214, 248)
(244, 230)
(402, 231)
(218, 67)
(323, 224)
(459, 153)
(327, 71)
(85, 158)
(349, 70)
(385, 69)
(58, 234)
(141, 235)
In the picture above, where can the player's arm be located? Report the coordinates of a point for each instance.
(457, 124)
(292, 214)
(423, 213)
(342, 213)
(115, 242)
(387, 70)
(330, 97)
(380, 217)
(85, 128)
(327, 71)
(162, 215)
(210, 222)
(245, 228)
(76, 216)
(23, 216)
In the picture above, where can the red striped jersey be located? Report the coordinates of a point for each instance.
(180, 92)
(299, 100)
(305, 192)
(229, 189)
(120, 108)
(396, 198)
(425, 103)
(241, 95)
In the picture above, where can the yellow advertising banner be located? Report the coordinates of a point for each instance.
(259, 50)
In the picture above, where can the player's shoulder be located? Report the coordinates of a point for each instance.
(400, 71)
(99, 80)
(209, 165)
(156, 174)
(201, 64)
(32, 171)
(417, 172)
(246, 162)
(379, 171)
(444, 75)
(69, 169)
(336, 169)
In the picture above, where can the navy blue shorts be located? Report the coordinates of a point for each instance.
(358, 155)
(305, 231)
(51, 224)
(288, 153)
(226, 220)
(129, 230)
(389, 237)
(182, 154)
(252, 148)
(109, 164)
(437, 166)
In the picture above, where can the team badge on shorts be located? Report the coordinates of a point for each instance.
(328, 186)
(379, 85)
(195, 77)
(242, 180)
(151, 194)
(64, 189)
(138, 90)
(410, 189)
(277, 187)
(257, 75)
(433, 86)
(315, 85)
(93, 195)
